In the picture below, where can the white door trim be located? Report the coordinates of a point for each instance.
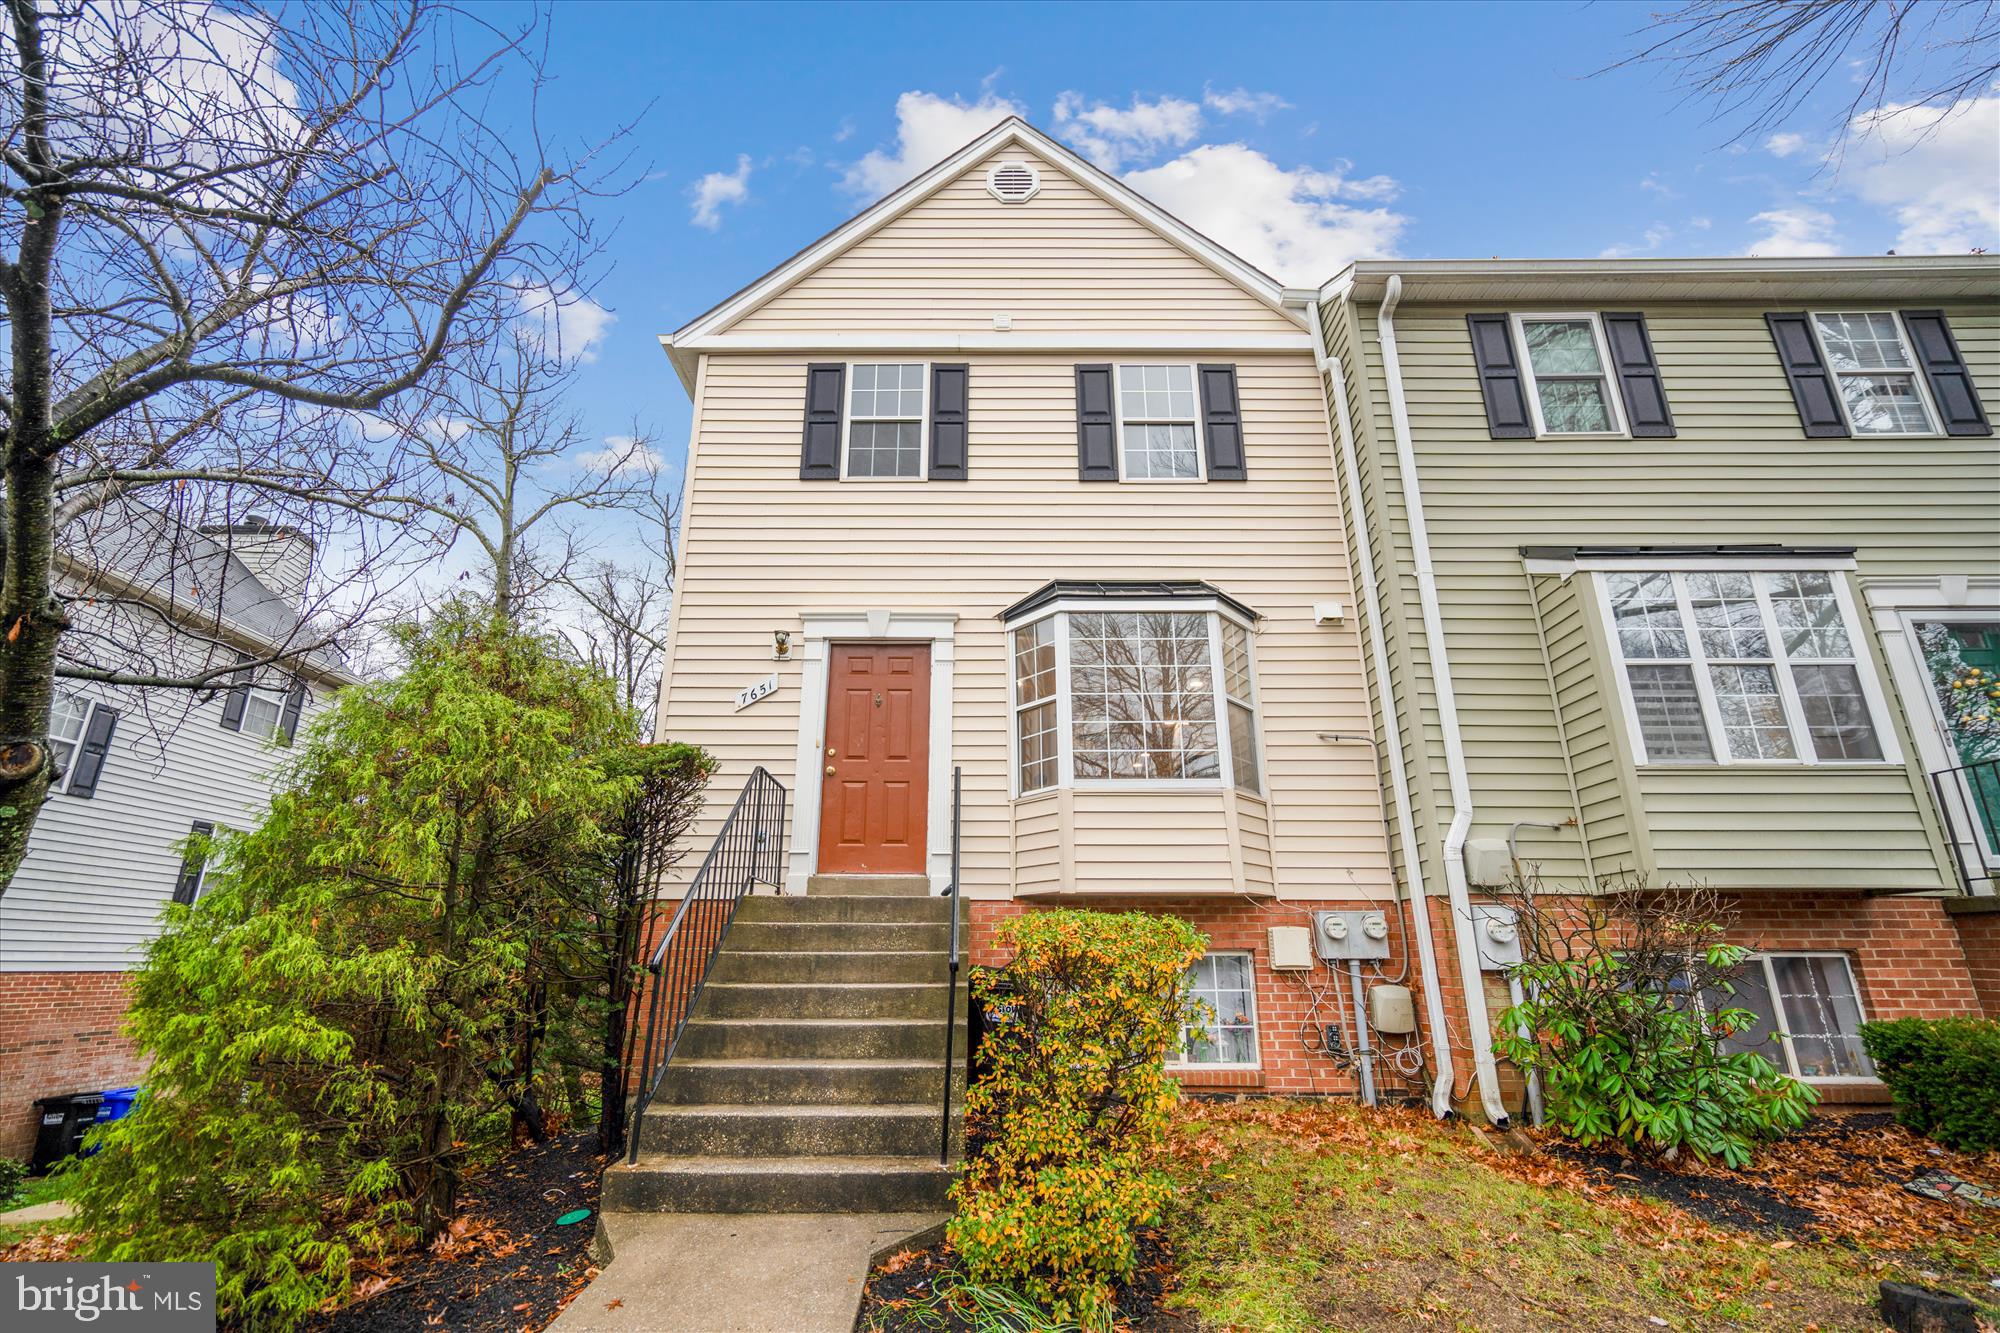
(820, 632)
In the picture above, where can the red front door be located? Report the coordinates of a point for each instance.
(875, 762)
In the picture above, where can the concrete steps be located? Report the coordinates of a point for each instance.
(809, 1077)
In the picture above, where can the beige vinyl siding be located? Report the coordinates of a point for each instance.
(1064, 262)
(762, 547)
(1583, 722)
(1038, 823)
(1739, 471)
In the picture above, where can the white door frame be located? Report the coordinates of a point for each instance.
(1896, 606)
(820, 633)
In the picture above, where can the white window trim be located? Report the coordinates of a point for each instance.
(1915, 372)
(1254, 699)
(1697, 660)
(847, 420)
(1791, 1060)
(277, 697)
(1066, 779)
(90, 707)
(1613, 397)
(1118, 425)
(1176, 1062)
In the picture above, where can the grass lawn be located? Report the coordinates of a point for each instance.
(37, 1190)
(1293, 1216)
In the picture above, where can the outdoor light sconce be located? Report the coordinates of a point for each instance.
(781, 645)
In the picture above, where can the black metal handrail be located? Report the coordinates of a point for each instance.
(951, 965)
(745, 853)
(1968, 800)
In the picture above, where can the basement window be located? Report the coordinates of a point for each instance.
(1220, 1031)
(1808, 1015)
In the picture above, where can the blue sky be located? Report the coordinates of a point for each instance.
(1434, 130)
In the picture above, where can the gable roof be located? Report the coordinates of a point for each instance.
(1010, 132)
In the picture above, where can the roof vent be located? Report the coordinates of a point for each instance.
(1013, 182)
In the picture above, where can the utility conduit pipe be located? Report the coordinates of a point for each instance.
(1399, 777)
(1457, 888)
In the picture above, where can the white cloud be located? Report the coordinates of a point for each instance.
(1785, 144)
(1793, 233)
(711, 192)
(1241, 101)
(622, 455)
(566, 323)
(1291, 224)
(1655, 185)
(929, 128)
(1653, 238)
(1939, 173)
(1111, 137)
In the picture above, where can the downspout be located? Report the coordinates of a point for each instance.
(1456, 884)
(1399, 777)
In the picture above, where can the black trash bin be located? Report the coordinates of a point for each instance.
(62, 1123)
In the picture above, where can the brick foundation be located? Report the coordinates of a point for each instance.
(1977, 921)
(59, 1033)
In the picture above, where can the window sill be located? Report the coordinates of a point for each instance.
(1778, 765)
(1217, 1076)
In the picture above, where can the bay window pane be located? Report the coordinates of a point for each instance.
(1808, 614)
(1836, 712)
(1035, 662)
(1726, 613)
(1753, 713)
(1243, 746)
(1822, 1016)
(1646, 616)
(1142, 696)
(1669, 712)
(1039, 741)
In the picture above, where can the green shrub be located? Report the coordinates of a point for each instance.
(1945, 1074)
(13, 1174)
(1077, 1102)
(1627, 1018)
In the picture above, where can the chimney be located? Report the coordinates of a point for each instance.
(281, 558)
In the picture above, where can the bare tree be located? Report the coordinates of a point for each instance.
(1756, 62)
(231, 236)
(620, 611)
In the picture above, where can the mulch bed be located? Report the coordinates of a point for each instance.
(910, 1277)
(505, 1266)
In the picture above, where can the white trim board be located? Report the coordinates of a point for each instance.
(821, 631)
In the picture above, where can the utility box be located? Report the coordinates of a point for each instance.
(1390, 1010)
(1488, 863)
(1497, 933)
(1291, 948)
(1341, 937)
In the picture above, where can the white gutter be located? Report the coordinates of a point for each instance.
(1399, 777)
(1456, 886)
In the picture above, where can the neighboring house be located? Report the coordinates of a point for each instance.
(1032, 481)
(141, 771)
(1689, 570)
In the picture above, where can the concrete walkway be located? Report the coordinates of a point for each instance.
(735, 1272)
(39, 1212)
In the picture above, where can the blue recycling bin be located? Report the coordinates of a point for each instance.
(117, 1104)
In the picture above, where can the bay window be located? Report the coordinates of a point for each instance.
(1131, 693)
(1743, 666)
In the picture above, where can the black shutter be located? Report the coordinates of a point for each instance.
(1813, 388)
(91, 754)
(288, 722)
(1952, 389)
(948, 423)
(189, 883)
(819, 460)
(238, 696)
(1222, 422)
(1645, 398)
(1500, 378)
(1096, 428)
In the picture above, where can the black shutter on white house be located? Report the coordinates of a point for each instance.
(1813, 389)
(234, 702)
(295, 702)
(1500, 378)
(1952, 389)
(1222, 423)
(819, 458)
(188, 884)
(91, 754)
(1645, 398)
(949, 459)
(1096, 425)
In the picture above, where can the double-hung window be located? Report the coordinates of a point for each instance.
(1159, 432)
(885, 421)
(1744, 666)
(1881, 391)
(1131, 694)
(263, 711)
(1566, 359)
(1808, 1014)
(1220, 1028)
(69, 719)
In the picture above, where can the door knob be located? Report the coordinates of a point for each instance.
(829, 770)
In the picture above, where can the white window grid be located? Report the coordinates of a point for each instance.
(69, 723)
(1614, 403)
(263, 713)
(1058, 617)
(849, 419)
(1781, 1035)
(1698, 660)
(1192, 420)
(1179, 1058)
(1909, 369)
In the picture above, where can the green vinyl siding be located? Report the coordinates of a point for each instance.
(1739, 471)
